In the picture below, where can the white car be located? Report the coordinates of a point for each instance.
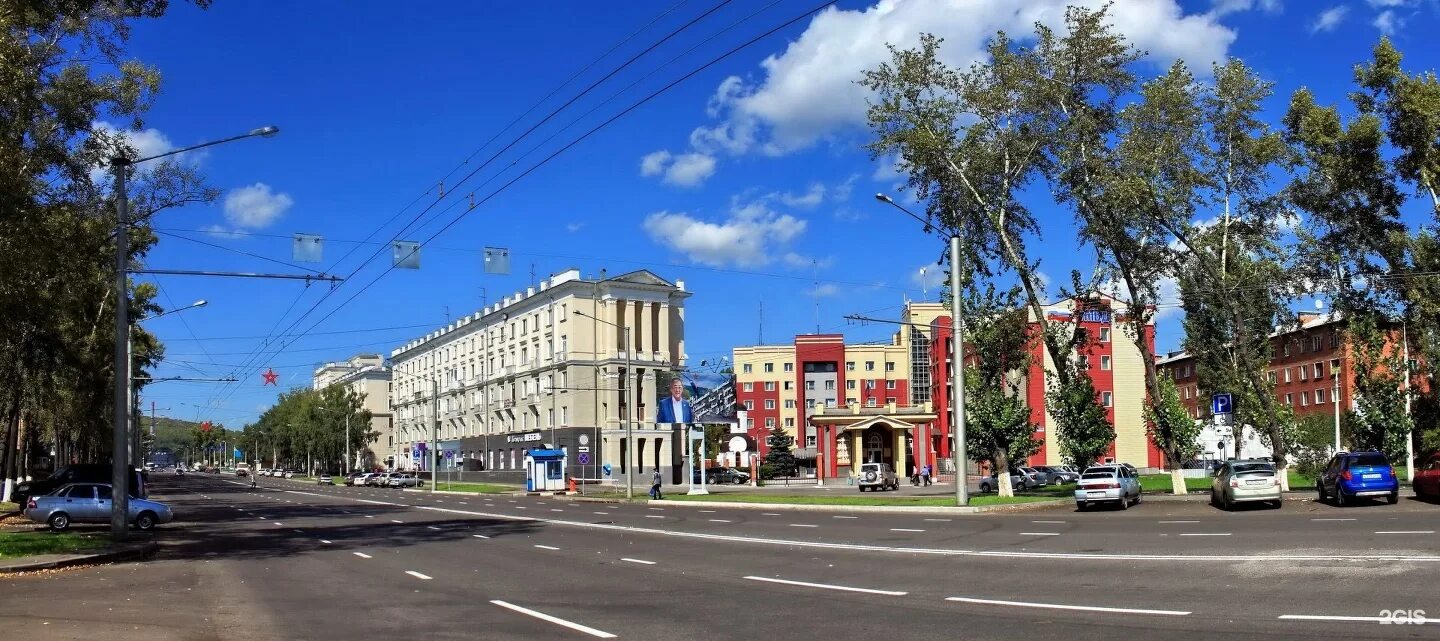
(1107, 484)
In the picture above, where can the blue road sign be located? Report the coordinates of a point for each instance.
(1221, 404)
(584, 458)
(606, 468)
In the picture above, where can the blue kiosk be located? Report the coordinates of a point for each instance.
(544, 470)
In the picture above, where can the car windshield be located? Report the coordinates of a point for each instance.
(1369, 460)
(1105, 474)
(1254, 468)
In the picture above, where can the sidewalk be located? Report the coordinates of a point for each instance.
(113, 554)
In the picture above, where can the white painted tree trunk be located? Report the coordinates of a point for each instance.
(1005, 488)
(1283, 472)
(9, 488)
(1177, 481)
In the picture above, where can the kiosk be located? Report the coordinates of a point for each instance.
(544, 470)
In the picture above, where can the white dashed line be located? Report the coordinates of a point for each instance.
(1179, 521)
(1331, 520)
(640, 561)
(432, 527)
(655, 508)
(707, 511)
(556, 509)
(362, 555)
(480, 536)
(719, 521)
(844, 517)
(904, 529)
(556, 620)
(602, 512)
(1407, 532)
(802, 525)
(399, 521)
(1051, 522)
(825, 586)
(657, 516)
(1039, 534)
(547, 547)
(769, 514)
(371, 516)
(417, 575)
(1057, 606)
(325, 541)
(1204, 534)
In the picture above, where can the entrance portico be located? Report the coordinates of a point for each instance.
(853, 435)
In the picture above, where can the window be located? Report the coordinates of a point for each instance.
(1289, 399)
(889, 366)
(524, 326)
(1104, 334)
(870, 384)
(789, 422)
(103, 493)
(869, 366)
(849, 366)
(850, 400)
(770, 422)
(1287, 375)
(1316, 343)
(747, 368)
(750, 405)
(809, 403)
(1319, 371)
(1105, 362)
(1272, 378)
(870, 402)
(769, 386)
(1285, 350)
(748, 387)
(789, 403)
(1304, 372)
(1107, 398)
(1319, 396)
(769, 403)
(829, 402)
(889, 400)
(830, 384)
(789, 385)
(562, 311)
(850, 384)
(810, 385)
(1304, 399)
(889, 384)
(769, 368)
(789, 367)
(750, 423)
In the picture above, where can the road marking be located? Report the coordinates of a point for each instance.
(417, 575)
(825, 586)
(547, 547)
(363, 555)
(844, 517)
(719, 521)
(432, 527)
(938, 520)
(1179, 521)
(399, 521)
(556, 509)
(904, 529)
(325, 541)
(464, 503)
(1407, 532)
(802, 525)
(371, 516)
(1058, 606)
(653, 516)
(480, 536)
(521, 507)
(277, 523)
(556, 620)
(1323, 617)
(264, 517)
(1204, 534)
(707, 511)
(640, 561)
(1047, 521)
(1039, 534)
(769, 514)
(1332, 519)
(602, 512)
(299, 530)
(655, 508)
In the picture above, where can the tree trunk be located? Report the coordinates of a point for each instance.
(1177, 481)
(12, 432)
(1282, 472)
(1002, 475)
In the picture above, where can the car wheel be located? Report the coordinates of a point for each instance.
(1320, 490)
(1277, 504)
(1214, 502)
(1340, 497)
(1394, 497)
(739, 481)
(1080, 507)
(1124, 502)
(59, 521)
(1139, 496)
(145, 521)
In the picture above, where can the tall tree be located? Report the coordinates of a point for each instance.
(1173, 430)
(998, 339)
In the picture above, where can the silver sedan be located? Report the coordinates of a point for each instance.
(90, 503)
(1245, 481)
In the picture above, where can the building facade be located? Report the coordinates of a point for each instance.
(890, 402)
(549, 365)
(367, 376)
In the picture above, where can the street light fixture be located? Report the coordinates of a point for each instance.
(629, 407)
(957, 350)
(119, 474)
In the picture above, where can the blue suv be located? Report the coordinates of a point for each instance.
(1355, 474)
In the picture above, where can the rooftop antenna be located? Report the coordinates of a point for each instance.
(815, 275)
(760, 340)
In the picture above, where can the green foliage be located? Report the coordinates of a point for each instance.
(1170, 425)
(1380, 419)
(1085, 432)
(998, 426)
(778, 461)
(307, 424)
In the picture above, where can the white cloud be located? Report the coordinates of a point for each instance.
(220, 231)
(808, 91)
(887, 169)
(1388, 23)
(145, 143)
(750, 236)
(574, 227)
(1168, 296)
(1225, 7)
(812, 197)
(654, 162)
(1042, 282)
(823, 290)
(841, 192)
(1329, 19)
(849, 215)
(807, 262)
(1381, 4)
(690, 170)
(255, 206)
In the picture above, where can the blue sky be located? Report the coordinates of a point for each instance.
(752, 172)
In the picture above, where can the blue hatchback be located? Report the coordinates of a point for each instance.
(1356, 474)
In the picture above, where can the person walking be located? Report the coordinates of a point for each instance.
(655, 486)
(925, 474)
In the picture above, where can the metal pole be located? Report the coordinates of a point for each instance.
(119, 475)
(1410, 431)
(434, 432)
(957, 353)
(629, 427)
(347, 443)
(1335, 396)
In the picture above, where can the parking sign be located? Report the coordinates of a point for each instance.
(1221, 403)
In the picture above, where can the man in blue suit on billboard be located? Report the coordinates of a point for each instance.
(674, 408)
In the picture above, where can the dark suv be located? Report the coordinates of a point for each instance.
(1355, 474)
(81, 473)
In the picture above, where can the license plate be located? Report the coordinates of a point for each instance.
(1095, 493)
(1256, 482)
(1369, 476)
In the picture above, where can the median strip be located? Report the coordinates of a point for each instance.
(1059, 606)
(826, 586)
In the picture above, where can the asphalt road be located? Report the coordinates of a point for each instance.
(297, 561)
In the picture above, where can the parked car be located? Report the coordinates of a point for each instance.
(1427, 479)
(1108, 484)
(1018, 481)
(722, 476)
(91, 503)
(404, 480)
(1033, 477)
(354, 478)
(324, 479)
(1057, 475)
(1242, 481)
(289, 474)
(1355, 474)
(80, 473)
(380, 480)
(877, 476)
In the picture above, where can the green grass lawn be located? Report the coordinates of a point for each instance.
(479, 488)
(14, 544)
(6, 508)
(856, 499)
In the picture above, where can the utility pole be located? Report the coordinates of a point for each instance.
(119, 474)
(434, 432)
(957, 354)
(1409, 432)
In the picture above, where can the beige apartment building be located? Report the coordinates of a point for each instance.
(368, 377)
(546, 366)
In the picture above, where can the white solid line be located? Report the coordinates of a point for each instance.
(480, 536)
(417, 575)
(802, 525)
(825, 586)
(1047, 521)
(1039, 534)
(938, 520)
(432, 527)
(769, 514)
(1204, 534)
(719, 521)
(363, 555)
(1332, 519)
(837, 516)
(547, 547)
(640, 561)
(556, 620)
(1323, 617)
(1407, 532)
(1057, 606)
(657, 516)
(1179, 521)
(904, 529)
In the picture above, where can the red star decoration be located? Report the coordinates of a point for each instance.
(270, 377)
(205, 427)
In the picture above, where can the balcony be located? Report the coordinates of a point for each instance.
(508, 403)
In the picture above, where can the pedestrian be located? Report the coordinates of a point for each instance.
(925, 474)
(915, 476)
(655, 486)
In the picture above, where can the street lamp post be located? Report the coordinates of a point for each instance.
(119, 474)
(629, 407)
(957, 350)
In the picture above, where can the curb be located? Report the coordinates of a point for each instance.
(131, 553)
(892, 509)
